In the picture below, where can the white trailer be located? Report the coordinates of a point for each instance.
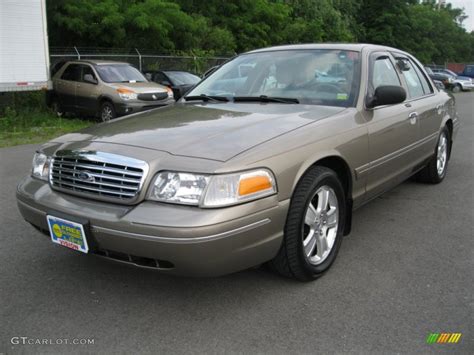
(24, 54)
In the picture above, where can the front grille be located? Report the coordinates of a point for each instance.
(153, 96)
(99, 175)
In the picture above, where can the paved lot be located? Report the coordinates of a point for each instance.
(405, 271)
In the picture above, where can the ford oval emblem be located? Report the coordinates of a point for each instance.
(154, 97)
(85, 176)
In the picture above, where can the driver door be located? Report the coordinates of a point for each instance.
(392, 129)
(87, 93)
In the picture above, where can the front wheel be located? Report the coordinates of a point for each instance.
(314, 226)
(107, 111)
(457, 88)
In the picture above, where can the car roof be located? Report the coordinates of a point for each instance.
(178, 71)
(358, 47)
(98, 62)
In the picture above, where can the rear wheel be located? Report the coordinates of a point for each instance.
(107, 111)
(56, 108)
(314, 226)
(436, 169)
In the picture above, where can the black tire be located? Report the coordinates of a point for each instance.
(430, 173)
(107, 111)
(457, 88)
(56, 107)
(291, 260)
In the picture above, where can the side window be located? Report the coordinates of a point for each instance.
(384, 73)
(424, 82)
(86, 69)
(72, 73)
(415, 88)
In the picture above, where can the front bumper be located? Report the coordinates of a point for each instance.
(467, 85)
(174, 239)
(129, 107)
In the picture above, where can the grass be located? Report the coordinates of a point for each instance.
(27, 120)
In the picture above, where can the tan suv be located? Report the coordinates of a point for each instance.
(106, 89)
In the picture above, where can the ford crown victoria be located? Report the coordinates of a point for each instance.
(263, 161)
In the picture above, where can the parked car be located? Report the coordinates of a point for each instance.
(104, 88)
(446, 79)
(460, 83)
(468, 71)
(235, 175)
(179, 81)
(210, 71)
(439, 84)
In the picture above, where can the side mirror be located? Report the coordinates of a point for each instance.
(439, 85)
(386, 95)
(88, 78)
(403, 64)
(165, 83)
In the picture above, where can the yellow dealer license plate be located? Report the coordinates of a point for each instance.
(67, 233)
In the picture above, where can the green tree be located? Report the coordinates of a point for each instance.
(431, 33)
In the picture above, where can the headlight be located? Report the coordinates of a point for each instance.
(126, 94)
(41, 164)
(180, 188)
(212, 190)
(450, 80)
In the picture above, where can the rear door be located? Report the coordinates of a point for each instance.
(65, 86)
(424, 105)
(392, 130)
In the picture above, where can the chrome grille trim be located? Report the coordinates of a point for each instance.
(98, 175)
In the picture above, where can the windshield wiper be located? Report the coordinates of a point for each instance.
(264, 98)
(206, 98)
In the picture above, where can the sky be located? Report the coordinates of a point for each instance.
(468, 6)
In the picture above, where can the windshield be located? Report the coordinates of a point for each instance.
(319, 77)
(119, 73)
(182, 77)
(449, 72)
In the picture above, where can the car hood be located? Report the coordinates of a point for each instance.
(209, 131)
(140, 87)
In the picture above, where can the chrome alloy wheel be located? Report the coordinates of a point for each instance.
(106, 114)
(320, 225)
(442, 154)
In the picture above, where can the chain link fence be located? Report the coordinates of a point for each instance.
(141, 59)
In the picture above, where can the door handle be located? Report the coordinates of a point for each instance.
(439, 109)
(413, 116)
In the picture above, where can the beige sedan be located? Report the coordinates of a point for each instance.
(263, 161)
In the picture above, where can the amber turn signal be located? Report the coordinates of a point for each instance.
(253, 184)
